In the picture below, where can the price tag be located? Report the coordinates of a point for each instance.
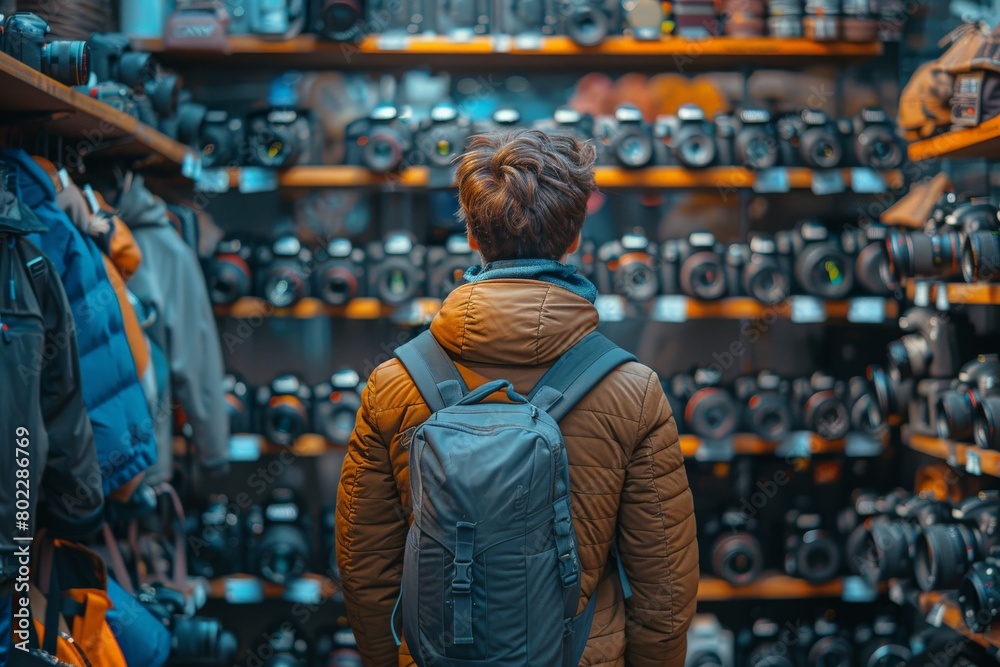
(941, 301)
(258, 179)
(861, 445)
(191, 166)
(774, 179)
(807, 310)
(244, 447)
(305, 591)
(610, 307)
(866, 310)
(936, 615)
(715, 450)
(867, 181)
(827, 182)
(798, 445)
(896, 593)
(858, 589)
(213, 180)
(393, 42)
(244, 590)
(670, 308)
(529, 42)
(973, 464)
(502, 43)
(952, 458)
(921, 293)
(461, 35)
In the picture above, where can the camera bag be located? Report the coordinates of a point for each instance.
(491, 566)
(198, 25)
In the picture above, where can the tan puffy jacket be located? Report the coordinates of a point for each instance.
(626, 474)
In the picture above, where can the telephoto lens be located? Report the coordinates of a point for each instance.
(283, 409)
(918, 255)
(811, 552)
(67, 62)
(228, 272)
(945, 551)
(335, 406)
(981, 257)
(979, 595)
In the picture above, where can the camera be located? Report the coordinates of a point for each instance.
(764, 398)
(881, 644)
(981, 256)
(338, 648)
(283, 271)
(986, 428)
(337, 20)
(929, 349)
(238, 403)
(694, 267)
(214, 540)
(914, 254)
(396, 17)
(283, 408)
(277, 20)
(820, 267)
(811, 552)
(979, 595)
(736, 555)
(874, 140)
(287, 647)
(396, 269)
(946, 550)
(23, 37)
(461, 18)
(754, 140)
(871, 262)
(339, 275)
(587, 22)
(690, 136)
(113, 60)
(863, 407)
(381, 141)
(115, 96)
(819, 406)
(194, 639)
(280, 137)
(627, 139)
(956, 407)
(442, 137)
(709, 410)
(830, 647)
(627, 267)
(219, 139)
(446, 266)
(278, 537)
(765, 648)
(709, 644)
(335, 406)
(567, 121)
(521, 17)
(756, 270)
(894, 539)
(228, 272)
(809, 139)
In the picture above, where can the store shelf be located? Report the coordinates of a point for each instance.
(970, 293)
(769, 586)
(416, 312)
(974, 142)
(400, 52)
(231, 587)
(29, 96)
(969, 457)
(748, 444)
(665, 178)
(941, 609)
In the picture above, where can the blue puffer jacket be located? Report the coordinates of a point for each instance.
(123, 428)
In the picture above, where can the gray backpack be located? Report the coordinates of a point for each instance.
(490, 572)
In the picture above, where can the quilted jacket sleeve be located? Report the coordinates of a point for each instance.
(657, 540)
(371, 534)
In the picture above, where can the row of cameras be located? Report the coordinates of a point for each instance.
(586, 22)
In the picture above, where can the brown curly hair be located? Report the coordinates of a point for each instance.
(523, 193)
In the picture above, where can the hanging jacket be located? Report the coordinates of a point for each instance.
(41, 395)
(123, 429)
(170, 282)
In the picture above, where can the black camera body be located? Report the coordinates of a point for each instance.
(863, 408)
(709, 410)
(442, 137)
(628, 267)
(752, 139)
(396, 272)
(460, 19)
(277, 20)
(819, 406)
(339, 273)
(395, 17)
(567, 121)
(278, 536)
(875, 143)
(382, 142)
(228, 273)
(736, 554)
(215, 539)
(283, 409)
(946, 550)
(828, 645)
(239, 403)
(894, 535)
(23, 36)
(446, 265)
(281, 137)
(219, 139)
(766, 405)
(928, 350)
(756, 270)
(338, 20)
(812, 552)
(820, 267)
(691, 138)
(283, 269)
(955, 413)
(627, 140)
(335, 406)
(586, 22)
(867, 245)
(524, 17)
(979, 595)
(809, 139)
(695, 267)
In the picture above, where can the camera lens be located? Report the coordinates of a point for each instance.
(826, 415)
(283, 553)
(694, 147)
(981, 256)
(705, 659)
(979, 595)
(955, 411)
(634, 148)
(336, 285)
(883, 653)
(831, 652)
(885, 394)
(910, 356)
(201, 640)
(337, 416)
(635, 279)
(67, 62)
(284, 285)
(441, 145)
(824, 271)
(285, 420)
(816, 557)
(703, 276)
(986, 431)
(755, 148)
(768, 416)
(764, 280)
(273, 144)
(342, 21)
(587, 25)
(893, 542)
(228, 279)
(135, 69)
(769, 655)
(820, 149)
(164, 92)
(396, 282)
(878, 148)
(737, 558)
(711, 413)
(383, 152)
(943, 555)
(872, 270)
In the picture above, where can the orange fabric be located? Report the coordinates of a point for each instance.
(133, 331)
(125, 252)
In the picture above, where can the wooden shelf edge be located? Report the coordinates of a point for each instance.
(953, 453)
(272, 591)
(943, 607)
(769, 586)
(983, 294)
(974, 142)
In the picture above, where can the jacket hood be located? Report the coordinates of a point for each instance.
(139, 207)
(512, 322)
(16, 215)
(16, 218)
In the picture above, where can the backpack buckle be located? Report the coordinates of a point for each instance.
(569, 569)
(462, 581)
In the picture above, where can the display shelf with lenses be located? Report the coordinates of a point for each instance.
(29, 95)
(769, 586)
(942, 609)
(971, 458)
(982, 141)
(799, 445)
(968, 293)
(799, 309)
(397, 51)
(414, 313)
(249, 589)
(665, 178)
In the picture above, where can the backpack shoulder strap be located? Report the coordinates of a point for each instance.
(575, 373)
(36, 267)
(433, 371)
